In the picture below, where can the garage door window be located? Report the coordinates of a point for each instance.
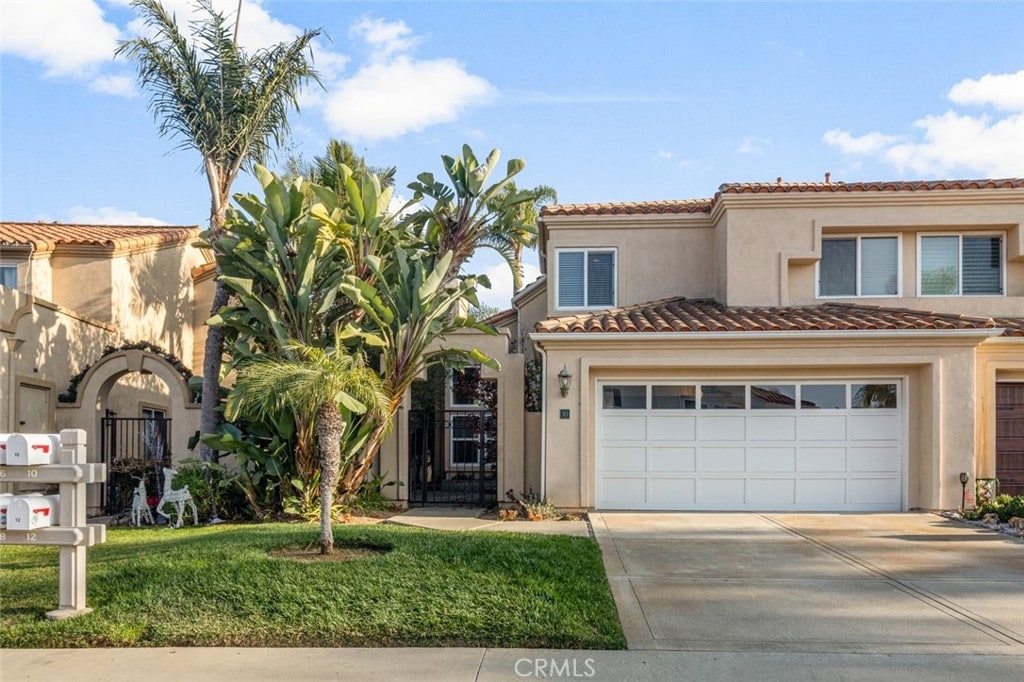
(823, 397)
(873, 396)
(773, 397)
(723, 397)
(674, 397)
(625, 398)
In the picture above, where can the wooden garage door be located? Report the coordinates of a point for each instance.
(797, 446)
(1010, 438)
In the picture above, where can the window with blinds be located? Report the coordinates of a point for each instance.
(955, 265)
(586, 278)
(859, 266)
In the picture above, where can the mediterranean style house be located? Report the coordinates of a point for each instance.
(788, 347)
(802, 347)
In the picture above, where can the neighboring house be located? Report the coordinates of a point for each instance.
(835, 346)
(72, 297)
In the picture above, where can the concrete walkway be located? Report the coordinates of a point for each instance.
(813, 583)
(468, 518)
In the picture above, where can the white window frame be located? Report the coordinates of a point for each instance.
(960, 263)
(13, 266)
(859, 237)
(450, 390)
(586, 251)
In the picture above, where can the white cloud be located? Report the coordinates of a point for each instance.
(664, 155)
(990, 144)
(1003, 91)
(751, 144)
(868, 143)
(107, 215)
(114, 85)
(68, 38)
(394, 94)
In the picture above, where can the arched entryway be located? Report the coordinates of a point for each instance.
(175, 418)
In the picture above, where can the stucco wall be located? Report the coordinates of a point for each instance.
(938, 375)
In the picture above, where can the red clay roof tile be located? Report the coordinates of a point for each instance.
(46, 237)
(706, 315)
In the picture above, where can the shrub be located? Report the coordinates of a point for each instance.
(1005, 506)
(193, 473)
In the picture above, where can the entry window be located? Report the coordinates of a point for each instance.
(624, 397)
(859, 266)
(723, 397)
(9, 276)
(586, 278)
(674, 397)
(823, 397)
(873, 396)
(958, 265)
(465, 386)
(154, 432)
(773, 397)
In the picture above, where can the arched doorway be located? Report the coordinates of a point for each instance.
(129, 378)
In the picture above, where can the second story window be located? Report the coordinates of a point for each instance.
(859, 266)
(958, 265)
(586, 278)
(9, 276)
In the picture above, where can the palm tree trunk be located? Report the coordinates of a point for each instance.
(209, 418)
(329, 429)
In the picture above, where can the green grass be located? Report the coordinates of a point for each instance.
(217, 586)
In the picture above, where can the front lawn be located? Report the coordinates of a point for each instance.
(218, 586)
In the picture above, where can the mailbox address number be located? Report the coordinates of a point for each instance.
(29, 473)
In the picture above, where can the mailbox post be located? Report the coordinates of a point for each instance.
(72, 534)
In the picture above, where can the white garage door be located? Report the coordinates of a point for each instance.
(796, 446)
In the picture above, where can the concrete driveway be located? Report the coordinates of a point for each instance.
(843, 583)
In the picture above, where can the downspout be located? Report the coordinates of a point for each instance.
(543, 421)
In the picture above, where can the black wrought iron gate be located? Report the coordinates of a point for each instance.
(133, 449)
(453, 457)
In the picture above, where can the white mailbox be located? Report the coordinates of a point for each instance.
(3, 447)
(28, 512)
(5, 499)
(32, 449)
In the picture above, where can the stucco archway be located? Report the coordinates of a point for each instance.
(94, 392)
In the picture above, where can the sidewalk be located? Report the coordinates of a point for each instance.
(485, 665)
(468, 518)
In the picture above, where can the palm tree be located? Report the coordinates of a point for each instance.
(328, 383)
(229, 106)
(512, 231)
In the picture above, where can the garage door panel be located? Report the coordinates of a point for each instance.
(821, 427)
(622, 492)
(820, 491)
(772, 492)
(771, 428)
(872, 491)
(815, 455)
(875, 427)
(766, 460)
(669, 459)
(718, 493)
(673, 493)
(722, 427)
(625, 458)
(672, 427)
(871, 459)
(821, 459)
(721, 460)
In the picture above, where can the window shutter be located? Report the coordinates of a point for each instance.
(601, 278)
(838, 268)
(570, 279)
(878, 269)
(982, 264)
(940, 272)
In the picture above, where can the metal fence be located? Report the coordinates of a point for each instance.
(133, 449)
(453, 456)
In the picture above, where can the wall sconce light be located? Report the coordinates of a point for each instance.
(564, 381)
(963, 489)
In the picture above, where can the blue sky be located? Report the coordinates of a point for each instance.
(605, 101)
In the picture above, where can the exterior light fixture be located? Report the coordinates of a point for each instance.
(963, 492)
(564, 381)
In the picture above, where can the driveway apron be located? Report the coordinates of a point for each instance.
(792, 583)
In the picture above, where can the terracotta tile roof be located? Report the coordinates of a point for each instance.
(705, 315)
(705, 205)
(48, 236)
(501, 318)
